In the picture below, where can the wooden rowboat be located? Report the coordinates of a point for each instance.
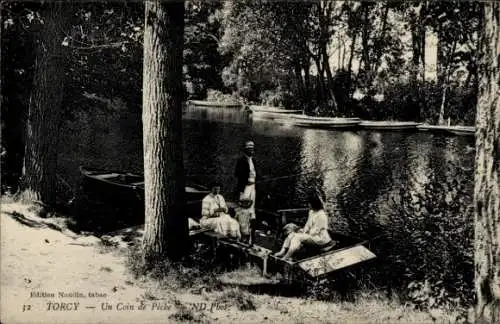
(308, 264)
(110, 200)
(318, 263)
(312, 264)
(215, 104)
(454, 130)
(433, 128)
(133, 181)
(324, 122)
(462, 130)
(268, 109)
(388, 125)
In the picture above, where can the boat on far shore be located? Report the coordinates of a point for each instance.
(325, 122)
(463, 130)
(271, 113)
(269, 109)
(388, 125)
(454, 130)
(214, 104)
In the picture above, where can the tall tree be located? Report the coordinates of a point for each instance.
(487, 174)
(166, 228)
(45, 106)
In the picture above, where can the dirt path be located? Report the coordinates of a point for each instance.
(38, 260)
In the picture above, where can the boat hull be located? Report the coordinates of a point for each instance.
(266, 109)
(324, 122)
(463, 130)
(308, 265)
(389, 126)
(328, 125)
(108, 200)
(450, 130)
(215, 104)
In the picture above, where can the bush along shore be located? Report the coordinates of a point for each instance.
(54, 259)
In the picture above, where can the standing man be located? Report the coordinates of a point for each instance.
(245, 176)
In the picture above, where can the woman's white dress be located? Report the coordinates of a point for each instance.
(219, 222)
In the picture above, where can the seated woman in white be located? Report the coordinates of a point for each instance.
(215, 217)
(314, 233)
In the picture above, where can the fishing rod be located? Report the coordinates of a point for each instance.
(374, 238)
(293, 175)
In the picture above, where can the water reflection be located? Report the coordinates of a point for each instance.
(357, 171)
(220, 114)
(329, 161)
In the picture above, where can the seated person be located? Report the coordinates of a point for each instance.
(314, 233)
(214, 215)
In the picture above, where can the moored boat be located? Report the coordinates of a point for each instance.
(462, 130)
(452, 130)
(110, 199)
(308, 264)
(388, 125)
(344, 252)
(433, 128)
(132, 181)
(324, 122)
(269, 109)
(215, 104)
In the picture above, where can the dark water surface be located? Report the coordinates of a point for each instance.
(358, 171)
(361, 174)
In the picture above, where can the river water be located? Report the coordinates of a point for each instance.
(361, 174)
(358, 171)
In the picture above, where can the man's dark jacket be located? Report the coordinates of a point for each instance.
(242, 172)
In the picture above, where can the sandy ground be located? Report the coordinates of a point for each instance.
(39, 256)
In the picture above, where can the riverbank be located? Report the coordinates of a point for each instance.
(44, 265)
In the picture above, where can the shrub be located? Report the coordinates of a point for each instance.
(219, 96)
(432, 235)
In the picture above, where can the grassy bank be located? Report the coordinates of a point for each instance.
(41, 255)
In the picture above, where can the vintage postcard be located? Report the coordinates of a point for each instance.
(238, 161)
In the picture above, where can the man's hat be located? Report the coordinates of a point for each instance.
(249, 144)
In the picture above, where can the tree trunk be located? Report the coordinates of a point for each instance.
(423, 30)
(45, 106)
(349, 65)
(445, 83)
(329, 78)
(166, 226)
(487, 174)
(299, 80)
(440, 58)
(379, 48)
(365, 37)
(415, 55)
(442, 106)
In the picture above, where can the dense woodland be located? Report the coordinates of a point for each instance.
(365, 59)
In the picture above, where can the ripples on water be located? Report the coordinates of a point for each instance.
(357, 171)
